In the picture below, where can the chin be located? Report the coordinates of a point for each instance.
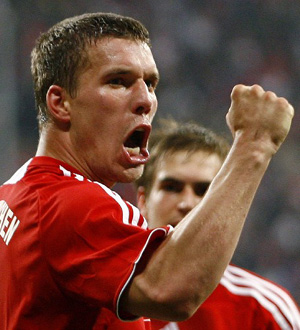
(132, 174)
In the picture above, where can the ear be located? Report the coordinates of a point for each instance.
(56, 97)
(141, 201)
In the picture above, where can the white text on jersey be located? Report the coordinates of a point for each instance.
(8, 222)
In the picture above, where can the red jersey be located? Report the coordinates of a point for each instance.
(68, 247)
(108, 321)
(242, 300)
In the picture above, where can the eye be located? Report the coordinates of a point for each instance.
(200, 188)
(171, 186)
(117, 82)
(150, 84)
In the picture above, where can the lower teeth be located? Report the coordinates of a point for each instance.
(133, 151)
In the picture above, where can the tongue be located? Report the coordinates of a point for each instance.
(137, 155)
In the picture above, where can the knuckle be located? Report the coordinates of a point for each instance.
(237, 91)
(270, 96)
(256, 89)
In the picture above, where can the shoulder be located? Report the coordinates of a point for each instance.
(85, 200)
(269, 296)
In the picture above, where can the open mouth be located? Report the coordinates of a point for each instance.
(136, 142)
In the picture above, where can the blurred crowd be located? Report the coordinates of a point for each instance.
(202, 48)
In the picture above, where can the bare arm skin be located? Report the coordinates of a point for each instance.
(186, 268)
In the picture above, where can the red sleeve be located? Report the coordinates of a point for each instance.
(93, 242)
(107, 320)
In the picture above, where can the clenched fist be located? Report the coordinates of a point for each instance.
(259, 116)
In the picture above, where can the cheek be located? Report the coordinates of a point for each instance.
(154, 109)
(160, 209)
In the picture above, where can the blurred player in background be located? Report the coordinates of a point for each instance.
(184, 160)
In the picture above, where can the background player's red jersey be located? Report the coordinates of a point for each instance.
(242, 301)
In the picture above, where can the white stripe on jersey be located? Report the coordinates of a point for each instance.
(19, 174)
(137, 216)
(65, 172)
(289, 309)
(269, 295)
(170, 326)
(124, 205)
(252, 292)
(145, 224)
(119, 200)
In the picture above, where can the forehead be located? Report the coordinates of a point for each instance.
(194, 167)
(111, 51)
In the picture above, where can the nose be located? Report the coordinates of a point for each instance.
(188, 200)
(145, 99)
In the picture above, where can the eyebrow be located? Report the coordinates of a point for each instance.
(166, 179)
(153, 76)
(169, 179)
(119, 71)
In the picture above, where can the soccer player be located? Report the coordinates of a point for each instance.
(71, 248)
(184, 160)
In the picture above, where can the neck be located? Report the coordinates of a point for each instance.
(56, 144)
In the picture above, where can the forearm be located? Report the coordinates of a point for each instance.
(215, 225)
(194, 257)
(188, 265)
